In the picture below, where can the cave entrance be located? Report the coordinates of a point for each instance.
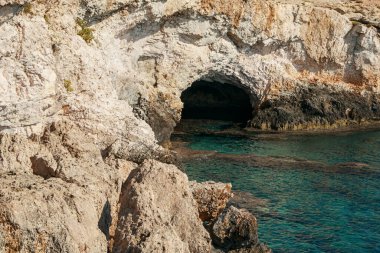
(216, 101)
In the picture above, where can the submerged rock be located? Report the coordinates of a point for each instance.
(247, 200)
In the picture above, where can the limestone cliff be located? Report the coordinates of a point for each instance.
(89, 88)
(140, 55)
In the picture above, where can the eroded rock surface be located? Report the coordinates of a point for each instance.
(158, 213)
(211, 198)
(89, 88)
(57, 194)
(231, 229)
(236, 231)
(313, 107)
(139, 56)
(38, 215)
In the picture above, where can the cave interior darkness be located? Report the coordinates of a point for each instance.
(216, 101)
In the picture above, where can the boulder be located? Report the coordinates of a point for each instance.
(211, 197)
(236, 229)
(158, 213)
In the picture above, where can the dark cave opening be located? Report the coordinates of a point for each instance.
(216, 101)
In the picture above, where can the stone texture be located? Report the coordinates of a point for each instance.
(211, 198)
(145, 53)
(366, 11)
(236, 231)
(76, 117)
(57, 194)
(158, 213)
(38, 215)
(315, 107)
(232, 230)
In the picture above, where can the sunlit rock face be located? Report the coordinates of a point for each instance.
(114, 71)
(144, 54)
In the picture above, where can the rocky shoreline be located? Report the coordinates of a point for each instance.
(316, 108)
(60, 195)
(90, 91)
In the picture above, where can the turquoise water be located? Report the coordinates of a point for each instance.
(321, 192)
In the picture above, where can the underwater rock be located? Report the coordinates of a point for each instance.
(247, 200)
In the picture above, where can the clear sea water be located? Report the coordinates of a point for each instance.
(318, 192)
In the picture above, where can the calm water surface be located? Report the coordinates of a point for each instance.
(306, 209)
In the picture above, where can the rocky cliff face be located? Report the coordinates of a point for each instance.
(89, 88)
(132, 59)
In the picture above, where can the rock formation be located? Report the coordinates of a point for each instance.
(231, 229)
(111, 66)
(89, 89)
(211, 197)
(158, 214)
(236, 231)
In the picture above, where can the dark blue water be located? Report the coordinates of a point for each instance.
(321, 192)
